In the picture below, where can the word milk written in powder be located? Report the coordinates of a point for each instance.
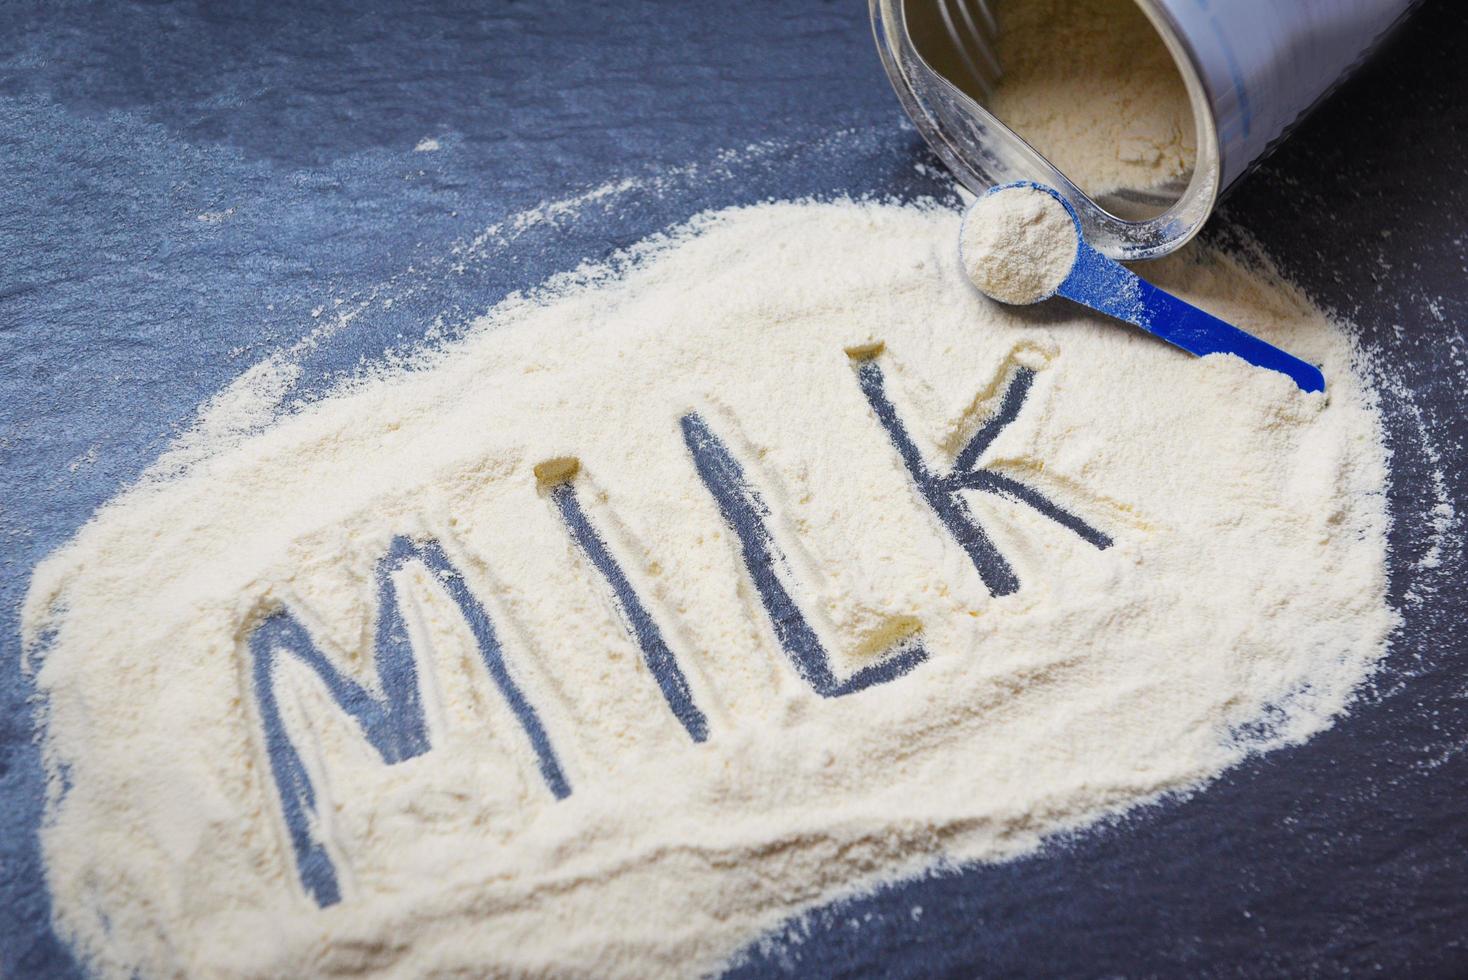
(675, 601)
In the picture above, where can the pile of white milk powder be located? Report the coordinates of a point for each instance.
(1195, 556)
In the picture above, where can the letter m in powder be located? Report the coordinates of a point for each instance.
(393, 721)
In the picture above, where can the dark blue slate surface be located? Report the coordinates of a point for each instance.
(120, 310)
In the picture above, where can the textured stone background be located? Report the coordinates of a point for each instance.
(186, 187)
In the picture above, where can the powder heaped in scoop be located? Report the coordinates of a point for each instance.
(1018, 244)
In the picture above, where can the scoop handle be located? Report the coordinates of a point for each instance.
(1108, 287)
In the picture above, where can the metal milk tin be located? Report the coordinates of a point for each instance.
(1252, 68)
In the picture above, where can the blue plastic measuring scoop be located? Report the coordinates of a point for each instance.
(1106, 286)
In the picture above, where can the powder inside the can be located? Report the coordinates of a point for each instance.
(1204, 584)
(1090, 84)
